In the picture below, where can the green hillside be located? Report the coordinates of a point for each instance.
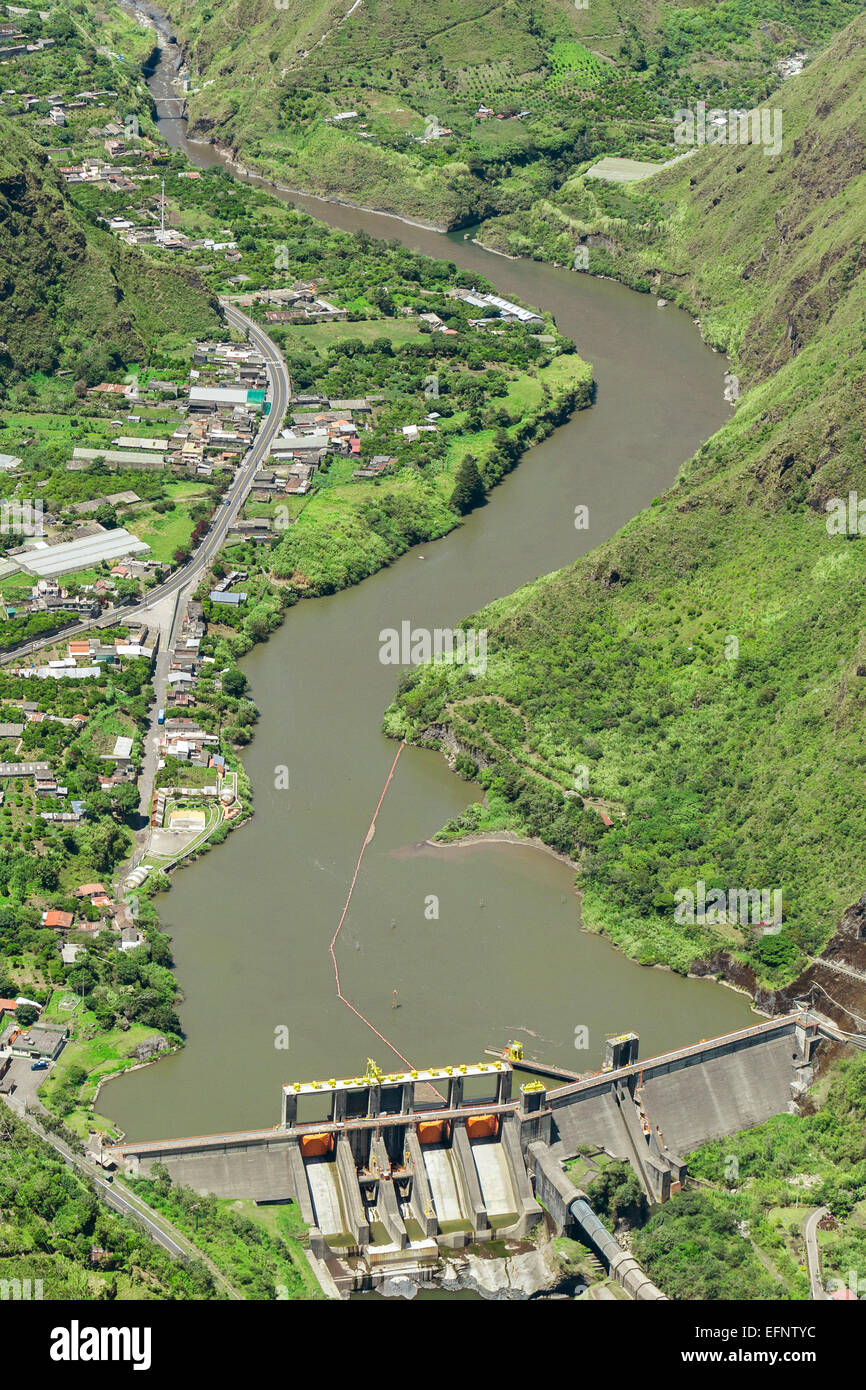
(64, 1245)
(562, 85)
(704, 673)
(70, 295)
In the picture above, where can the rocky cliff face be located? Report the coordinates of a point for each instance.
(833, 985)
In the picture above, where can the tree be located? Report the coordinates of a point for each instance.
(125, 799)
(468, 488)
(234, 682)
(26, 1015)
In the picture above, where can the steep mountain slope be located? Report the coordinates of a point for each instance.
(69, 290)
(704, 673)
(567, 83)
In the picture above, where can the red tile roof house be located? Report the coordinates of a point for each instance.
(61, 921)
(87, 890)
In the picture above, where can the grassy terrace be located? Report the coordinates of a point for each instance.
(563, 86)
(91, 1055)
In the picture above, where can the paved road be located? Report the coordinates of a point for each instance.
(279, 391)
(129, 1205)
(810, 1231)
(185, 580)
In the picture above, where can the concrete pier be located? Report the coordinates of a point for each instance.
(421, 1197)
(463, 1154)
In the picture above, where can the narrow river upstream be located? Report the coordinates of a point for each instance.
(252, 921)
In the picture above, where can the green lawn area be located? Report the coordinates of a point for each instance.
(186, 776)
(104, 725)
(71, 430)
(318, 337)
(21, 583)
(62, 1007)
(164, 532)
(285, 1223)
(16, 586)
(100, 1053)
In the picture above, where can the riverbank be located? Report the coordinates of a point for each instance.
(643, 666)
(231, 161)
(533, 400)
(724, 970)
(320, 687)
(505, 837)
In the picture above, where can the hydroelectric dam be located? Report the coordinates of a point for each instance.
(390, 1170)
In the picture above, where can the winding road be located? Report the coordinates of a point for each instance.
(810, 1231)
(279, 393)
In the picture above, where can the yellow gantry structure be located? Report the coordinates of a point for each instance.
(374, 1076)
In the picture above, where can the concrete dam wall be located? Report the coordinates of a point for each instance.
(731, 1091)
(394, 1176)
(689, 1096)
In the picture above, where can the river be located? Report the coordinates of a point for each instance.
(251, 922)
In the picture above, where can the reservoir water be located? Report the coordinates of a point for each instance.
(251, 922)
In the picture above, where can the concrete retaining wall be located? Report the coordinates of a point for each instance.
(730, 1091)
(553, 1187)
(348, 1180)
(529, 1212)
(699, 1093)
(422, 1197)
(260, 1171)
(465, 1170)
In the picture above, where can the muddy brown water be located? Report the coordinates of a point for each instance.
(251, 921)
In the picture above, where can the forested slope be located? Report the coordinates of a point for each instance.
(704, 673)
(467, 109)
(70, 294)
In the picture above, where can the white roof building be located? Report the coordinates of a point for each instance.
(82, 554)
(69, 673)
(219, 395)
(126, 441)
